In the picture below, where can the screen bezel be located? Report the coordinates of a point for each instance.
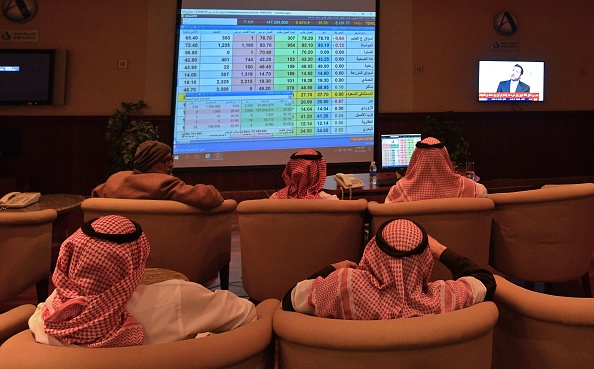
(382, 165)
(491, 72)
(260, 156)
(48, 77)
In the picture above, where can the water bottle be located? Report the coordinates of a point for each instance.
(373, 173)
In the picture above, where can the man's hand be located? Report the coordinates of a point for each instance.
(344, 264)
(435, 247)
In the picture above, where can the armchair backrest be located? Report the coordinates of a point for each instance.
(285, 241)
(536, 330)
(14, 321)
(25, 251)
(462, 224)
(194, 242)
(543, 235)
(459, 339)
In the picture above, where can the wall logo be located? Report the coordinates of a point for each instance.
(19, 11)
(505, 23)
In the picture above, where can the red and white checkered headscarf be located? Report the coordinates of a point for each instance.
(430, 175)
(304, 176)
(98, 269)
(387, 286)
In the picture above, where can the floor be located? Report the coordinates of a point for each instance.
(573, 288)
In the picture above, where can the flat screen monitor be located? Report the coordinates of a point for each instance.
(396, 149)
(258, 81)
(514, 80)
(32, 76)
(26, 77)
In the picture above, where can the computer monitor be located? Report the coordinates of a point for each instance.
(396, 150)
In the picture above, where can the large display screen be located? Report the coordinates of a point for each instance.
(254, 85)
(511, 80)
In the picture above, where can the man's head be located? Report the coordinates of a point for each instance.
(517, 72)
(430, 157)
(305, 174)
(399, 252)
(391, 280)
(98, 270)
(153, 157)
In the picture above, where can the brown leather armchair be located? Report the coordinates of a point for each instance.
(459, 339)
(194, 242)
(25, 252)
(249, 346)
(15, 320)
(537, 330)
(462, 224)
(544, 235)
(285, 241)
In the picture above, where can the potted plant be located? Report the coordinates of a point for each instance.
(449, 131)
(125, 131)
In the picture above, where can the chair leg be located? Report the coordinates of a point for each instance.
(586, 285)
(42, 288)
(224, 277)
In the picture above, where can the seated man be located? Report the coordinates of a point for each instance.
(98, 301)
(392, 280)
(152, 179)
(304, 176)
(431, 175)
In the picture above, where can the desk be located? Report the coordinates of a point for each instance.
(60, 202)
(368, 191)
(69, 219)
(379, 193)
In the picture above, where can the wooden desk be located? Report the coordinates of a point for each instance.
(62, 203)
(379, 193)
(368, 191)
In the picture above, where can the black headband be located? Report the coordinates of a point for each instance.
(317, 156)
(386, 248)
(422, 145)
(117, 238)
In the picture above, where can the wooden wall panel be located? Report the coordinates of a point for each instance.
(68, 154)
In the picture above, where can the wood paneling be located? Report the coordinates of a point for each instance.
(68, 154)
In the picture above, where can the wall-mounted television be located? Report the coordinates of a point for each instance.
(257, 81)
(511, 80)
(32, 76)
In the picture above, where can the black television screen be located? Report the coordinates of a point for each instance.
(511, 80)
(257, 81)
(26, 77)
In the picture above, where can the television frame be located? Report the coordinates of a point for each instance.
(54, 78)
(494, 73)
(383, 167)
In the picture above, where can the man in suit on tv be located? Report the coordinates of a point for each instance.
(514, 84)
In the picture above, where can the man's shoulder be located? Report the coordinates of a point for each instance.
(123, 173)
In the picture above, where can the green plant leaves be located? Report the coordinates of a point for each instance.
(125, 131)
(450, 131)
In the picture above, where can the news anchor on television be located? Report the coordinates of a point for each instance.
(514, 84)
